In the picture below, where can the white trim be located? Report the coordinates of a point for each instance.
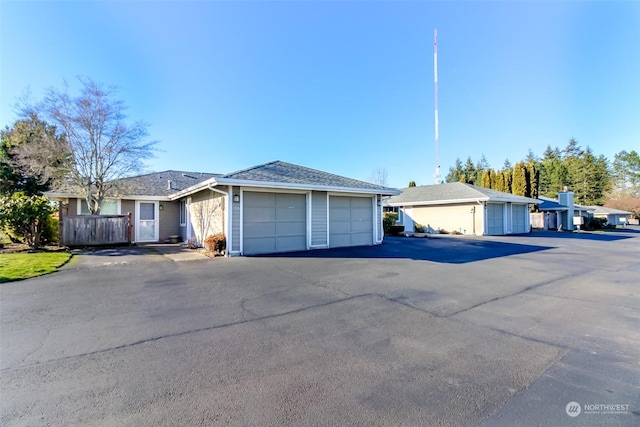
(225, 213)
(273, 190)
(308, 208)
(241, 221)
(182, 202)
(328, 212)
(282, 186)
(156, 215)
(374, 235)
(230, 222)
(460, 201)
(189, 232)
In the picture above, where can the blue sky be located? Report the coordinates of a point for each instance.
(345, 87)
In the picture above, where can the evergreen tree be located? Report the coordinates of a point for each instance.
(455, 173)
(546, 168)
(481, 166)
(531, 157)
(487, 176)
(412, 184)
(533, 176)
(18, 146)
(519, 184)
(470, 172)
(499, 181)
(508, 180)
(626, 174)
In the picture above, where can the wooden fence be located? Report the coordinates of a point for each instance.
(94, 230)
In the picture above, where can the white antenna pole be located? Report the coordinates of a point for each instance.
(435, 83)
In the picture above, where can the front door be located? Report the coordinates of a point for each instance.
(146, 221)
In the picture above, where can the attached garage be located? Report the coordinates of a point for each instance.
(350, 221)
(274, 222)
(519, 215)
(495, 219)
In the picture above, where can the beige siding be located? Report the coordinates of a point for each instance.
(206, 213)
(457, 217)
(169, 220)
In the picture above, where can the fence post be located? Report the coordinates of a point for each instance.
(129, 227)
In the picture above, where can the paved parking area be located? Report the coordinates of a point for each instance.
(440, 331)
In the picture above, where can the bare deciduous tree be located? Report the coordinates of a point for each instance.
(103, 146)
(379, 176)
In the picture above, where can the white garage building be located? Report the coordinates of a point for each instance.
(464, 208)
(282, 207)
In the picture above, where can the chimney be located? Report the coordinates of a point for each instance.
(566, 198)
(169, 185)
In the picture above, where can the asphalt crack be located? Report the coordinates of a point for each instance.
(522, 291)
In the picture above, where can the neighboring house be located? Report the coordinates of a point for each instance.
(613, 216)
(465, 208)
(562, 211)
(274, 207)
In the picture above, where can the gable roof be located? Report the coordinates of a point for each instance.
(156, 184)
(283, 172)
(277, 174)
(160, 183)
(453, 192)
(548, 204)
(283, 175)
(602, 210)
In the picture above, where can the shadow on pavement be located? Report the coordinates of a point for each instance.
(603, 236)
(442, 250)
(115, 251)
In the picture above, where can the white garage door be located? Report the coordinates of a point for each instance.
(273, 222)
(518, 215)
(350, 221)
(495, 219)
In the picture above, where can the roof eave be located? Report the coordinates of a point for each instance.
(194, 188)
(316, 187)
(462, 201)
(439, 202)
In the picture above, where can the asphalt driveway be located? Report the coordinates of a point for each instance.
(440, 331)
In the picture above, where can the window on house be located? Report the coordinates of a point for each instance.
(183, 212)
(109, 207)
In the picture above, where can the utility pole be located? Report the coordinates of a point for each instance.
(435, 83)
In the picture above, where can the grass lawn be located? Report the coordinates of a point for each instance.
(19, 266)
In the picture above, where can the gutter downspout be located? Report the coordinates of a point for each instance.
(226, 216)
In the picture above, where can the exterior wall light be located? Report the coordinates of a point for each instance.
(161, 207)
(236, 198)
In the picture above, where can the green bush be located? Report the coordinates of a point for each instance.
(419, 228)
(389, 219)
(25, 217)
(597, 223)
(50, 231)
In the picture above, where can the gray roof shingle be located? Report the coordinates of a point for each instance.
(278, 172)
(602, 210)
(157, 183)
(154, 184)
(288, 173)
(451, 192)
